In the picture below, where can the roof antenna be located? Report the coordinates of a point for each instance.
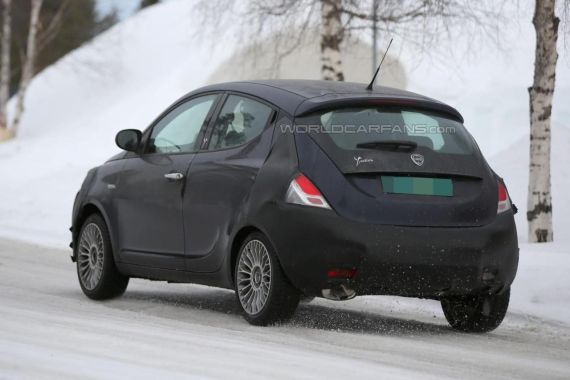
(369, 88)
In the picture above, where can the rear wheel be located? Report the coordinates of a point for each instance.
(476, 313)
(264, 293)
(98, 276)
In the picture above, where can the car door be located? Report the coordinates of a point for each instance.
(221, 176)
(150, 218)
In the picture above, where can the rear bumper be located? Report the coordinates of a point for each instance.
(393, 260)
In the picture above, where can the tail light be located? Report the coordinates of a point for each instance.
(342, 273)
(302, 191)
(504, 202)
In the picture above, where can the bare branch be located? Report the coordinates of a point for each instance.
(419, 24)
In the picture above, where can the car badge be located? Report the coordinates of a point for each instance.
(417, 159)
(359, 160)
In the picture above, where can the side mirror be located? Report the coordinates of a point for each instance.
(128, 139)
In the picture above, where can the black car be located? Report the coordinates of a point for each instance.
(283, 189)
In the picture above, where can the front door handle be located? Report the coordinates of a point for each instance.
(174, 176)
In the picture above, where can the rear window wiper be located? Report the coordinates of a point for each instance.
(389, 145)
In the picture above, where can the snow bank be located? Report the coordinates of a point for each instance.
(123, 79)
(542, 285)
(126, 76)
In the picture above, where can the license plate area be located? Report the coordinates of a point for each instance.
(442, 187)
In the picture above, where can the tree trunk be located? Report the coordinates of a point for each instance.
(332, 34)
(29, 64)
(5, 63)
(539, 214)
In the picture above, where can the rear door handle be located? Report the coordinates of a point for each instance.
(174, 176)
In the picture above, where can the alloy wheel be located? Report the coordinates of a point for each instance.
(254, 277)
(90, 256)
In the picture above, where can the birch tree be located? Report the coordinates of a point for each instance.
(28, 67)
(332, 34)
(5, 68)
(539, 203)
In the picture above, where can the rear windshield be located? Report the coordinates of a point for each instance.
(353, 128)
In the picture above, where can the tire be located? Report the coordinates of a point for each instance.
(98, 276)
(263, 292)
(476, 313)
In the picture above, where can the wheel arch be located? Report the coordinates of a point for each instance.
(238, 240)
(89, 208)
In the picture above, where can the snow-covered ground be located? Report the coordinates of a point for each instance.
(123, 79)
(48, 329)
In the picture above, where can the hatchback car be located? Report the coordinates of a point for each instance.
(284, 189)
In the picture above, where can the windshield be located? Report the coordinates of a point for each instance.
(387, 129)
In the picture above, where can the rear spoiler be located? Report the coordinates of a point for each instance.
(321, 103)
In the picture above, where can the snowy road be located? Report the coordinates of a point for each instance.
(49, 329)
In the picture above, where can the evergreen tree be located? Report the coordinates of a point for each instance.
(148, 3)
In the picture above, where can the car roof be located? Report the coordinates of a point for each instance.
(299, 97)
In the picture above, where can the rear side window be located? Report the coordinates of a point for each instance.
(241, 120)
(352, 128)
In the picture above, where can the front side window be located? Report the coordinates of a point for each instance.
(240, 120)
(177, 132)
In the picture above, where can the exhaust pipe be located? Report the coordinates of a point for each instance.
(339, 293)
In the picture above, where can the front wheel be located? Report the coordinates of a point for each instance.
(263, 291)
(98, 276)
(476, 313)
